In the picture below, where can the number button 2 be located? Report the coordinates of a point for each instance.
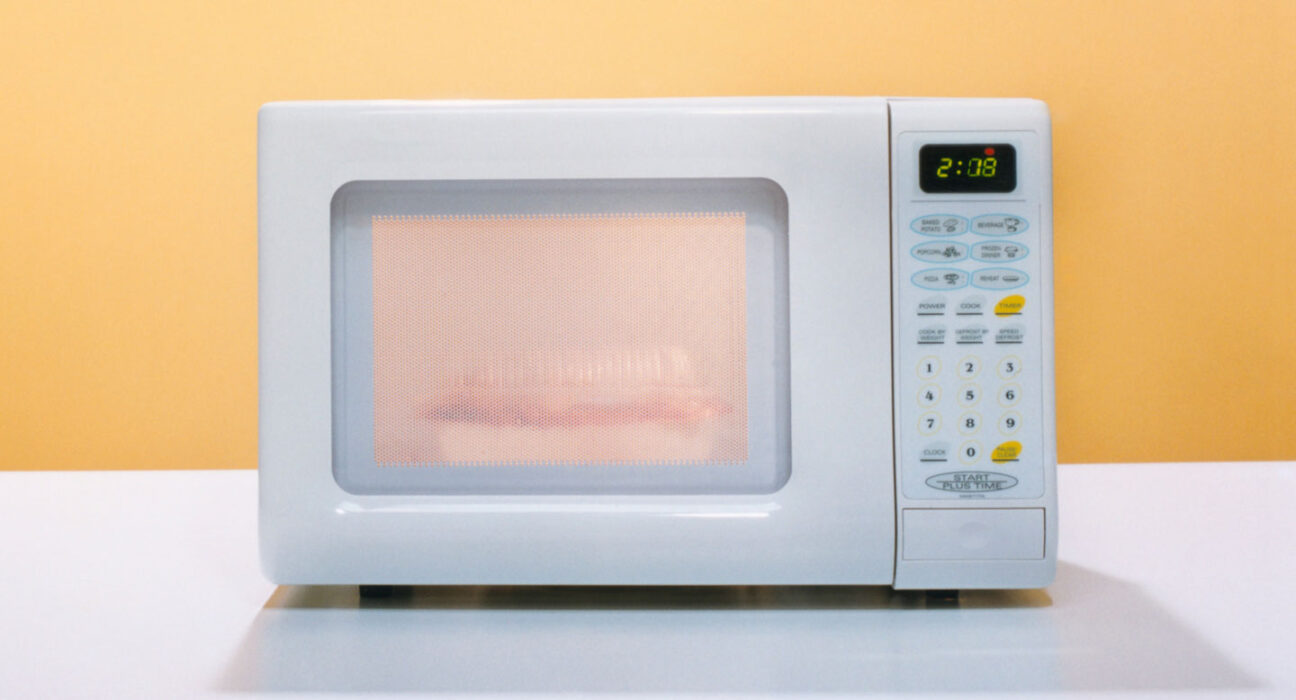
(969, 367)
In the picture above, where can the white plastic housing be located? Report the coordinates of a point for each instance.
(804, 493)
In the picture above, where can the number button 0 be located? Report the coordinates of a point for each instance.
(970, 452)
(1010, 423)
(969, 423)
(969, 367)
(1009, 395)
(929, 396)
(928, 367)
(1010, 367)
(929, 423)
(969, 395)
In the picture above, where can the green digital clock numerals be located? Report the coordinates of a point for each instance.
(983, 167)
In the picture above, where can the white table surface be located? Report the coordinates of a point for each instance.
(1175, 581)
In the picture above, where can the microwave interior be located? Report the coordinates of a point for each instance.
(560, 336)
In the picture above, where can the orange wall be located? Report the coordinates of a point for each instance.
(128, 153)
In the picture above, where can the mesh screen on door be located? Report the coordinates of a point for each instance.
(583, 339)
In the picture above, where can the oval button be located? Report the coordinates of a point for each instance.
(940, 279)
(999, 224)
(940, 251)
(1006, 452)
(939, 225)
(998, 251)
(1010, 305)
(997, 278)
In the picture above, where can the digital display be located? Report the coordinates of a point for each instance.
(967, 167)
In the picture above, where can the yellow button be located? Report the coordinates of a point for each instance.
(1006, 452)
(1010, 305)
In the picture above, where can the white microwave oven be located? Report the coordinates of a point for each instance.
(665, 341)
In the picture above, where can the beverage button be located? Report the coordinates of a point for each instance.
(940, 251)
(999, 224)
(998, 252)
(939, 225)
(940, 279)
(997, 278)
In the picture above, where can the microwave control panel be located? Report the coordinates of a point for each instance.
(972, 316)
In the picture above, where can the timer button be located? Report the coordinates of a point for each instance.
(939, 225)
(940, 251)
(998, 252)
(999, 224)
(999, 278)
(941, 278)
(1010, 305)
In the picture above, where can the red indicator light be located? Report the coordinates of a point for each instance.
(989, 151)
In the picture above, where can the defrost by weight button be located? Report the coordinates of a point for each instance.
(939, 225)
(940, 279)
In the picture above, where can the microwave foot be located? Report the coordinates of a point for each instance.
(942, 598)
(373, 592)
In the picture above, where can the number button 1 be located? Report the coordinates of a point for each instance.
(928, 367)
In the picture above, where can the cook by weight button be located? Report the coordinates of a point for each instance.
(940, 278)
(931, 335)
(940, 251)
(998, 278)
(999, 224)
(939, 225)
(997, 251)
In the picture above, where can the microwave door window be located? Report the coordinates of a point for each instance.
(585, 339)
(560, 337)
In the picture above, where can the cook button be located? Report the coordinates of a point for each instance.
(939, 225)
(971, 306)
(941, 278)
(999, 225)
(940, 251)
(996, 278)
